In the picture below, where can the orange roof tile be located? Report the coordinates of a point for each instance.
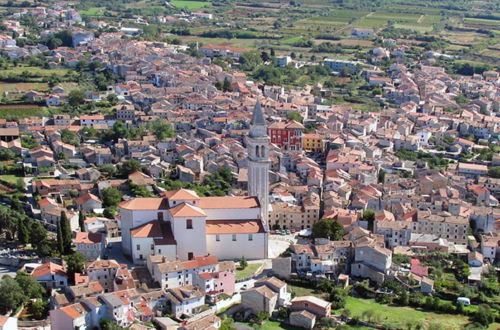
(229, 202)
(234, 227)
(186, 210)
(145, 204)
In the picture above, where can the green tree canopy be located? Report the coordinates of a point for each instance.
(327, 228)
(111, 196)
(11, 295)
(74, 264)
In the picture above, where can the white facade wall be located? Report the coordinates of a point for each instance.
(227, 249)
(190, 240)
(232, 214)
(91, 251)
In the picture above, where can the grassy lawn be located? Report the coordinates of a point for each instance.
(269, 325)
(248, 271)
(35, 71)
(401, 316)
(22, 111)
(9, 178)
(94, 11)
(191, 5)
(301, 291)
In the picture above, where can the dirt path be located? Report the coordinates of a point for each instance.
(420, 19)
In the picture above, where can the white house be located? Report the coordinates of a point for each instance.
(50, 275)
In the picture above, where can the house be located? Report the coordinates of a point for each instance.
(302, 319)
(175, 273)
(337, 65)
(88, 202)
(371, 261)
(75, 316)
(362, 33)
(50, 275)
(186, 300)
(278, 287)
(313, 305)
(472, 169)
(103, 271)
(89, 244)
(260, 299)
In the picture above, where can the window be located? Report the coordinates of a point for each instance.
(250, 237)
(190, 256)
(234, 237)
(160, 215)
(138, 247)
(217, 238)
(189, 224)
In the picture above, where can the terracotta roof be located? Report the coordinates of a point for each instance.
(145, 204)
(74, 311)
(181, 195)
(229, 202)
(234, 227)
(155, 229)
(186, 210)
(83, 198)
(48, 268)
(313, 300)
(87, 238)
(200, 261)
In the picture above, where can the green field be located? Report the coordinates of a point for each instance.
(22, 111)
(248, 271)
(34, 71)
(94, 11)
(401, 317)
(9, 178)
(190, 5)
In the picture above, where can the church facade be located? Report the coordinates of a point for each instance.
(181, 225)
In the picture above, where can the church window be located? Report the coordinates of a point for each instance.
(189, 224)
(234, 237)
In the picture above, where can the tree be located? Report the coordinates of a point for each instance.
(60, 241)
(76, 97)
(39, 309)
(369, 216)
(243, 263)
(109, 325)
(226, 85)
(112, 99)
(111, 196)
(494, 172)
(65, 233)
(484, 315)
(81, 221)
(294, 116)
(250, 60)
(23, 231)
(29, 285)
(338, 298)
(54, 43)
(74, 264)
(130, 167)
(162, 130)
(11, 295)
(327, 228)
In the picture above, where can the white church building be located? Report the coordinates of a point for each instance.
(181, 225)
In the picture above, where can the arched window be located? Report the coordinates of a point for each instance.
(256, 151)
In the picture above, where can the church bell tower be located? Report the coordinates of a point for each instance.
(258, 160)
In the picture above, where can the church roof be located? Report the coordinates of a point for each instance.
(234, 227)
(186, 210)
(181, 194)
(258, 116)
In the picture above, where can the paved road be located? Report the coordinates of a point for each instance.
(116, 252)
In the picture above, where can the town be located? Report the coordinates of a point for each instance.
(161, 183)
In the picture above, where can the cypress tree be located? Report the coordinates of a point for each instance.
(65, 233)
(23, 232)
(60, 244)
(81, 221)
